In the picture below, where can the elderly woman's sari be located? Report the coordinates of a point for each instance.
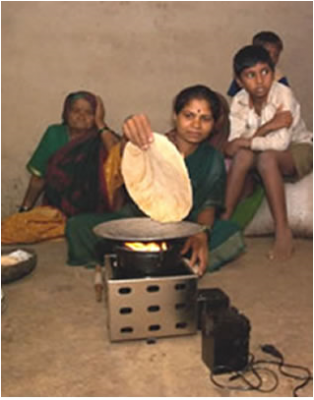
(82, 176)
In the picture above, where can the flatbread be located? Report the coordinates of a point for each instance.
(14, 258)
(158, 180)
(7, 261)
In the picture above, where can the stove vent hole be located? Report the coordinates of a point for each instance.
(180, 306)
(125, 290)
(126, 329)
(180, 286)
(125, 310)
(181, 325)
(154, 327)
(153, 288)
(153, 308)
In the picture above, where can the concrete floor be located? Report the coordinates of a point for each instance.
(55, 341)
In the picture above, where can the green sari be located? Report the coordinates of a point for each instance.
(54, 138)
(208, 178)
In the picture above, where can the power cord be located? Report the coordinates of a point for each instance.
(270, 349)
(255, 371)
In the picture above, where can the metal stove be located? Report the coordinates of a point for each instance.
(149, 293)
(150, 306)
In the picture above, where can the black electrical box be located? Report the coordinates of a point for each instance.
(210, 302)
(225, 334)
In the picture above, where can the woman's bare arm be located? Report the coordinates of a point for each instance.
(34, 190)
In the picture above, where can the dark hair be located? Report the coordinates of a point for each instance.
(199, 92)
(72, 97)
(265, 37)
(249, 56)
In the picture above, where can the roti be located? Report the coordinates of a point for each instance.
(157, 180)
(8, 261)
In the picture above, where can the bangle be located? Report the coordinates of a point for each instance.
(101, 130)
(207, 230)
(106, 128)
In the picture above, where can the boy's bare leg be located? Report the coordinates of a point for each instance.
(272, 165)
(241, 165)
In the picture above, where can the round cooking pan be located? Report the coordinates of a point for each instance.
(146, 230)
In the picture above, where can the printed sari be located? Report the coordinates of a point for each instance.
(81, 177)
(78, 179)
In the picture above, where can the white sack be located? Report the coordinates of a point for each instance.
(299, 197)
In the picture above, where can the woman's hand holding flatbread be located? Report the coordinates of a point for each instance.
(157, 178)
(137, 130)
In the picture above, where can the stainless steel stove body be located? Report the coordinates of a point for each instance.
(150, 307)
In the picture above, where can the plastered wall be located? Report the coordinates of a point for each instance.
(136, 55)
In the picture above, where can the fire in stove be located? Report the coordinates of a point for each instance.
(153, 258)
(146, 247)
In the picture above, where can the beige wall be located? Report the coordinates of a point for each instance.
(136, 55)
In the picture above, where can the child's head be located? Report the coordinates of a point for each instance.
(254, 70)
(248, 57)
(271, 42)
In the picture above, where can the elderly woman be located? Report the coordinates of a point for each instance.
(75, 167)
(83, 117)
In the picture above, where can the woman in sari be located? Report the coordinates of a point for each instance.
(196, 110)
(83, 118)
(75, 167)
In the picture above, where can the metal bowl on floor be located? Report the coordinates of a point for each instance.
(16, 263)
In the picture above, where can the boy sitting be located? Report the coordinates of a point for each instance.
(267, 134)
(274, 45)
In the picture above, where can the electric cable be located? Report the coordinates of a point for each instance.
(254, 367)
(250, 368)
(270, 349)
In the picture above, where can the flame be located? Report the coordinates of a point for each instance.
(151, 246)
